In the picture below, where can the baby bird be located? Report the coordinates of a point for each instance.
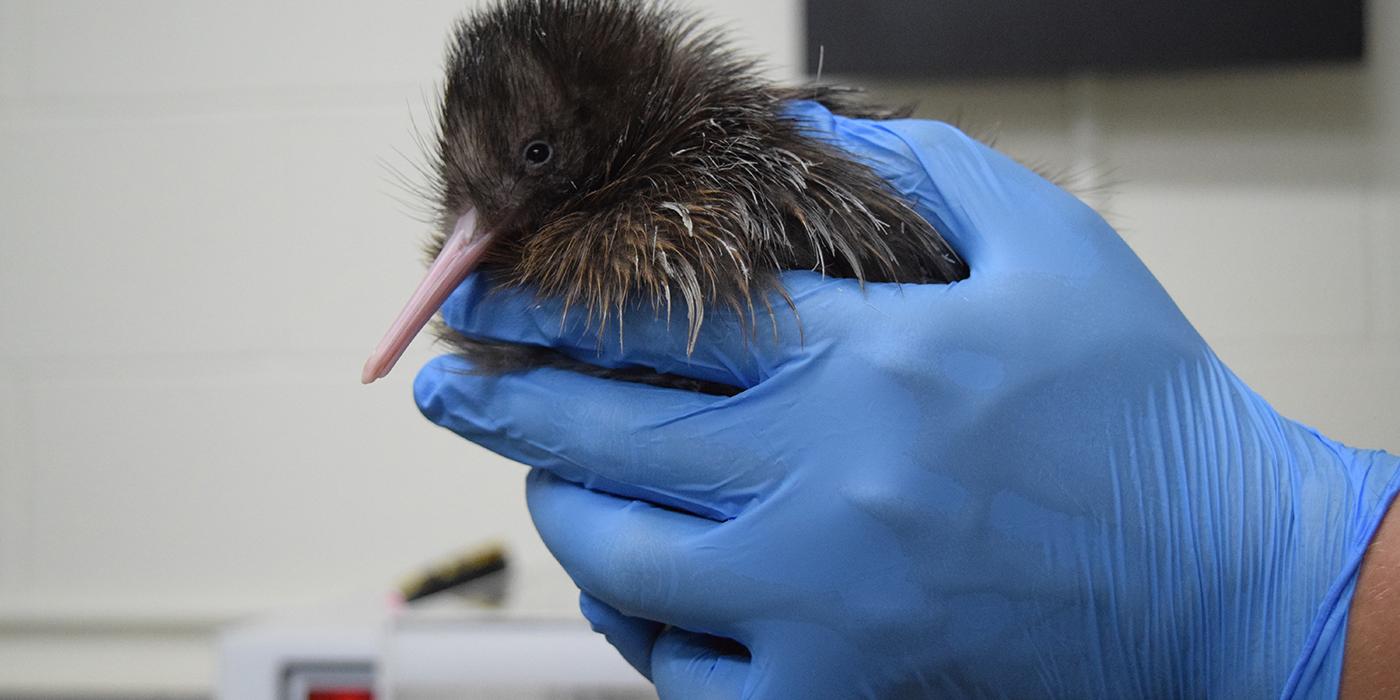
(614, 152)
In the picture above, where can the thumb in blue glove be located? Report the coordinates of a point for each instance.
(1036, 482)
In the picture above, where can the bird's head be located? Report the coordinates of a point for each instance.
(611, 152)
(581, 149)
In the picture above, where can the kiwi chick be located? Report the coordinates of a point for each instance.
(616, 152)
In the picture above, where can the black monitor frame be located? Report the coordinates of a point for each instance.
(980, 38)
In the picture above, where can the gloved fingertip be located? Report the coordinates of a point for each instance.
(689, 665)
(598, 613)
(539, 479)
(588, 605)
(430, 382)
(631, 637)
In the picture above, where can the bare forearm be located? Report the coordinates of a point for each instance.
(1371, 665)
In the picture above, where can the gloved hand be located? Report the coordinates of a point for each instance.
(1038, 482)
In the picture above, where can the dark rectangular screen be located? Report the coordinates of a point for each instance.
(1046, 37)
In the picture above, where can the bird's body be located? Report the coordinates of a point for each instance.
(618, 154)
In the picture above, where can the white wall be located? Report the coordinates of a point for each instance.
(198, 245)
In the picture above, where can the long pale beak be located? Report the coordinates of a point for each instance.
(459, 256)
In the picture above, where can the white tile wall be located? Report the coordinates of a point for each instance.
(9, 53)
(1281, 257)
(1033, 118)
(1384, 92)
(274, 466)
(129, 665)
(95, 48)
(14, 512)
(250, 229)
(198, 243)
(1383, 223)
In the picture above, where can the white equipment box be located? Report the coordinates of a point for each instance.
(376, 653)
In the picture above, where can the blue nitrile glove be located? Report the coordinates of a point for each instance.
(1038, 482)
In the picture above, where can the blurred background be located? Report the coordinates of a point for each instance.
(200, 241)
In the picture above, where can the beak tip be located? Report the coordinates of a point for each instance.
(458, 257)
(370, 373)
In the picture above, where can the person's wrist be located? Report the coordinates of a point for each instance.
(1343, 498)
(1371, 661)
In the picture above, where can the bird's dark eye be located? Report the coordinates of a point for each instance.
(538, 153)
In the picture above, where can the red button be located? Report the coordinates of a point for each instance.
(340, 694)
